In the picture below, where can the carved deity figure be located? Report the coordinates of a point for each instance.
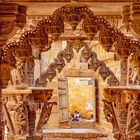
(133, 121)
(133, 76)
(20, 116)
(15, 73)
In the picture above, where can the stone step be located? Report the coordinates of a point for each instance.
(74, 134)
(81, 124)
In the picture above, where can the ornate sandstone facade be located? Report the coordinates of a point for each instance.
(121, 94)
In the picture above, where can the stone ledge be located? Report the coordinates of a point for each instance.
(74, 133)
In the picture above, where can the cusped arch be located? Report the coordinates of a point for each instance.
(54, 27)
(68, 54)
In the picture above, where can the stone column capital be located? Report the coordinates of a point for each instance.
(12, 15)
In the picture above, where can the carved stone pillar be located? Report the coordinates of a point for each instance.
(122, 109)
(11, 16)
(131, 18)
(123, 52)
(20, 107)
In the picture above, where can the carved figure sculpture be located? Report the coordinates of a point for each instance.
(133, 79)
(133, 123)
(21, 116)
(15, 73)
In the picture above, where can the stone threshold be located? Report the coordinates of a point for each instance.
(74, 133)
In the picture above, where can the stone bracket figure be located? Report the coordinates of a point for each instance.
(110, 117)
(133, 118)
(45, 114)
(21, 116)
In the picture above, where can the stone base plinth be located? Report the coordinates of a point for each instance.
(24, 138)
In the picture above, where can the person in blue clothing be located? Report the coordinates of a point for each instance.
(76, 116)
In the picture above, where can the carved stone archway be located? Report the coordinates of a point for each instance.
(87, 54)
(51, 28)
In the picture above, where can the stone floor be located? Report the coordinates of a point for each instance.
(75, 134)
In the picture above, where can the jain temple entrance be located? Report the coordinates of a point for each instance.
(70, 70)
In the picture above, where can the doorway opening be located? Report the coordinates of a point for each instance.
(81, 99)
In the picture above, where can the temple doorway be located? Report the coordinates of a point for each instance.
(81, 99)
(77, 97)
